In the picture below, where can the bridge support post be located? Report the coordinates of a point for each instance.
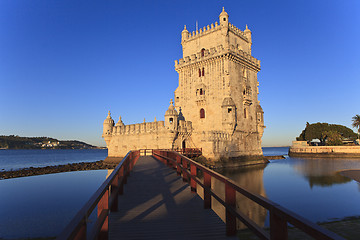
(178, 161)
(81, 234)
(121, 180)
(103, 205)
(184, 174)
(207, 195)
(278, 227)
(193, 174)
(230, 200)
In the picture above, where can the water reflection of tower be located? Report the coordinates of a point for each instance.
(251, 178)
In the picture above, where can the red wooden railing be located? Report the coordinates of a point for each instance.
(279, 216)
(106, 200)
(184, 151)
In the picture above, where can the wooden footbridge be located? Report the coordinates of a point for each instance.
(159, 201)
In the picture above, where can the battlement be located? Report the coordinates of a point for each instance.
(138, 128)
(212, 28)
(215, 52)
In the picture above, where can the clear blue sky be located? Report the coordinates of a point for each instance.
(65, 63)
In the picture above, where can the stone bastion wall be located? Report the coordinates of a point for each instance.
(301, 149)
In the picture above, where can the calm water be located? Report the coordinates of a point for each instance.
(311, 188)
(42, 205)
(16, 159)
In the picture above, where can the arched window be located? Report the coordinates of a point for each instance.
(202, 113)
(245, 112)
(201, 91)
(203, 71)
(199, 72)
(202, 52)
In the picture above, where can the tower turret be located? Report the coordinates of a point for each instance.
(108, 125)
(171, 117)
(120, 123)
(184, 34)
(248, 35)
(224, 19)
(228, 109)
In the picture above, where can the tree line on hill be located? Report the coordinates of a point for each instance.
(16, 142)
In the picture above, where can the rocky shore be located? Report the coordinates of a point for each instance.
(25, 172)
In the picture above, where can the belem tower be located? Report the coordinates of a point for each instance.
(215, 106)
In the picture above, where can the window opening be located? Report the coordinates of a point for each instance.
(229, 110)
(201, 91)
(199, 72)
(244, 112)
(202, 52)
(202, 113)
(171, 120)
(203, 71)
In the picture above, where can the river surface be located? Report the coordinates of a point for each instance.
(41, 206)
(17, 159)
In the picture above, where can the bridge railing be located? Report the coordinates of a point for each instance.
(279, 216)
(105, 199)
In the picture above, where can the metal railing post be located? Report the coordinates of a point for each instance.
(230, 200)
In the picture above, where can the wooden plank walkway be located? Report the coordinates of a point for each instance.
(157, 204)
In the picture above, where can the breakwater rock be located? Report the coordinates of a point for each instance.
(25, 172)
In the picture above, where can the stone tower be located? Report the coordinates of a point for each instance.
(218, 90)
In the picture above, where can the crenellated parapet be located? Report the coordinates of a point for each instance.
(189, 36)
(215, 52)
(139, 128)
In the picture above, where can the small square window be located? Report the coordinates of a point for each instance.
(229, 110)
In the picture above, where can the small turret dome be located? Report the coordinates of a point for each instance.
(247, 29)
(184, 34)
(228, 101)
(109, 120)
(185, 30)
(259, 108)
(120, 122)
(171, 110)
(223, 17)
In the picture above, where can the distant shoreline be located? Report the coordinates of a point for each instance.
(71, 167)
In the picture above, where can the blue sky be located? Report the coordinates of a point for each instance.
(65, 63)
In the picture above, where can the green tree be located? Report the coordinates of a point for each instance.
(322, 131)
(333, 138)
(356, 123)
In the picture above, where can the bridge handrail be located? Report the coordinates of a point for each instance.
(279, 216)
(105, 198)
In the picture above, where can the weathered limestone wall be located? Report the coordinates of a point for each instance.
(217, 106)
(218, 75)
